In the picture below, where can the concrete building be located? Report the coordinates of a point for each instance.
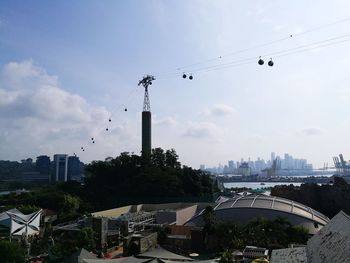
(139, 215)
(60, 167)
(74, 171)
(35, 177)
(273, 156)
(244, 169)
(42, 164)
(330, 244)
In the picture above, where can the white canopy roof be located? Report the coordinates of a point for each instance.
(19, 223)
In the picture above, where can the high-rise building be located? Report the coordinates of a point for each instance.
(202, 167)
(60, 167)
(42, 164)
(273, 156)
(231, 166)
(74, 171)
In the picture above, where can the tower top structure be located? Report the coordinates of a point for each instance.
(145, 82)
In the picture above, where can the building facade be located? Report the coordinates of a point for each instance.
(60, 167)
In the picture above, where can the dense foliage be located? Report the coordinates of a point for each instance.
(11, 173)
(11, 252)
(66, 242)
(144, 178)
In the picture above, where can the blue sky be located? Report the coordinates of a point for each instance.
(67, 66)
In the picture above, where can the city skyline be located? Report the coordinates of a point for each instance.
(286, 161)
(63, 77)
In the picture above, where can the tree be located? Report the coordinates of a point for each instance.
(209, 219)
(158, 158)
(226, 257)
(86, 238)
(171, 159)
(11, 252)
(158, 174)
(28, 209)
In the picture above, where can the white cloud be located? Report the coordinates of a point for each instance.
(25, 75)
(7, 97)
(255, 138)
(167, 121)
(219, 110)
(312, 131)
(39, 117)
(201, 130)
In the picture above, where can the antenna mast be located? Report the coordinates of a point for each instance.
(145, 82)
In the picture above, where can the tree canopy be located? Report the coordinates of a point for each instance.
(11, 252)
(157, 175)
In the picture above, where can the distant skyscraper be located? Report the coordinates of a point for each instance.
(273, 156)
(202, 167)
(231, 166)
(60, 167)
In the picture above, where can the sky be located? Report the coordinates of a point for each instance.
(66, 67)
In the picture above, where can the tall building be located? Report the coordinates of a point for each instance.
(74, 169)
(231, 166)
(202, 167)
(60, 167)
(42, 164)
(273, 156)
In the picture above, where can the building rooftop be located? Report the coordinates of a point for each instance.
(161, 253)
(274, 203)
(289, 255)
(332, 242)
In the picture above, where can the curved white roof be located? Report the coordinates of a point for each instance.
(244, 208)
(274, 203)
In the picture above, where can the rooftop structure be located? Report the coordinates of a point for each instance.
(330, 244)
(253, 252)
(242, 209)
(18, 223)
(289, 255)
(160, 253)
(143, 214)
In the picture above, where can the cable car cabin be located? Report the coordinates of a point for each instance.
(260, 61)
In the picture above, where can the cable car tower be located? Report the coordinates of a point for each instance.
(146, 116)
